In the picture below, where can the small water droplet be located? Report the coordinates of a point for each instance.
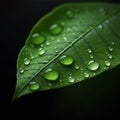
(77, 67)
(70, 14)
(89, 51)
(47, 43)
(110, 49)
(51, 75)
(37, 39)
(100, 26)
(41, 51)
(113, 43)
(92, 65)
(26, 61)
(66, 60)
(86, 75)
(103, 11)
(107, 21)
(91, 56)
(107, 63)
(56, 29)
(21, 70)
(71, 79)
(34, 86)
(110, 56)
(32, 57)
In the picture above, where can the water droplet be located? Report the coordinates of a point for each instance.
(66, 60)
(26, 61)
(41, 51)
(100, 26)
(32, 57)
(77, 67)
(56, 29)
(107, 21)
(71, 79)
(37, 39)
(47, 43)
(34, 86)
(112, 43)
(21, 70)
(107, 63)
(110, 56)
(92, 65)
(89, 51)
(103, 11)
(110, 49)
(86, 75)
(70, 14)
(91, 56)
(51, 75)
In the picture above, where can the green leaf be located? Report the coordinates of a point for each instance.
(72, 43)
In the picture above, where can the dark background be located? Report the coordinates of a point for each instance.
(97, 98)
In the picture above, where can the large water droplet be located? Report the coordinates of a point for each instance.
(92, 65)
(51, 75)
(66, 60)
(34, 86)
(26, 61)
(107, 63)
(41, 51)
(71, 79)
(37, 39)
(56, 29)
(70, 14)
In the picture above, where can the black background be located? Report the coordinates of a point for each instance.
(96, 98)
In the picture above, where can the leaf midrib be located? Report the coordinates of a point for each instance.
(66, 48)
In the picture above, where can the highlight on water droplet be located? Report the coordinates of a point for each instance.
(110, 56)
(56, 29)
(37, 39)
(91, 56)
(107, 63)
(47, 43)
(34, 86)
(26, 61)
(70, 14)
(92, 65)
(41, 51)
(51, 74)
(71, 79)
(66, 60)
(89, 50)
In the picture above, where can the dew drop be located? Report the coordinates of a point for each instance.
(41, 51)
(66, 60)
(89, 51)
(34, 86)
(51, 75)
(91, 56)
(21, 70)
(70, 14)
(56, 29)
(107, 63)
(47, 43)
(112, 43)
(92, 65)
(110, 49)
(71, 79)
(103, 11)
(26, 61)
(77, 67)
(110, 56)
(37, 39)
(100, 26)
(32, 57)
(86, 75)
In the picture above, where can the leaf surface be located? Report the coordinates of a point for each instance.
(72, 43)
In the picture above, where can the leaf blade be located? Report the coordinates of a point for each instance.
(69, 42)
